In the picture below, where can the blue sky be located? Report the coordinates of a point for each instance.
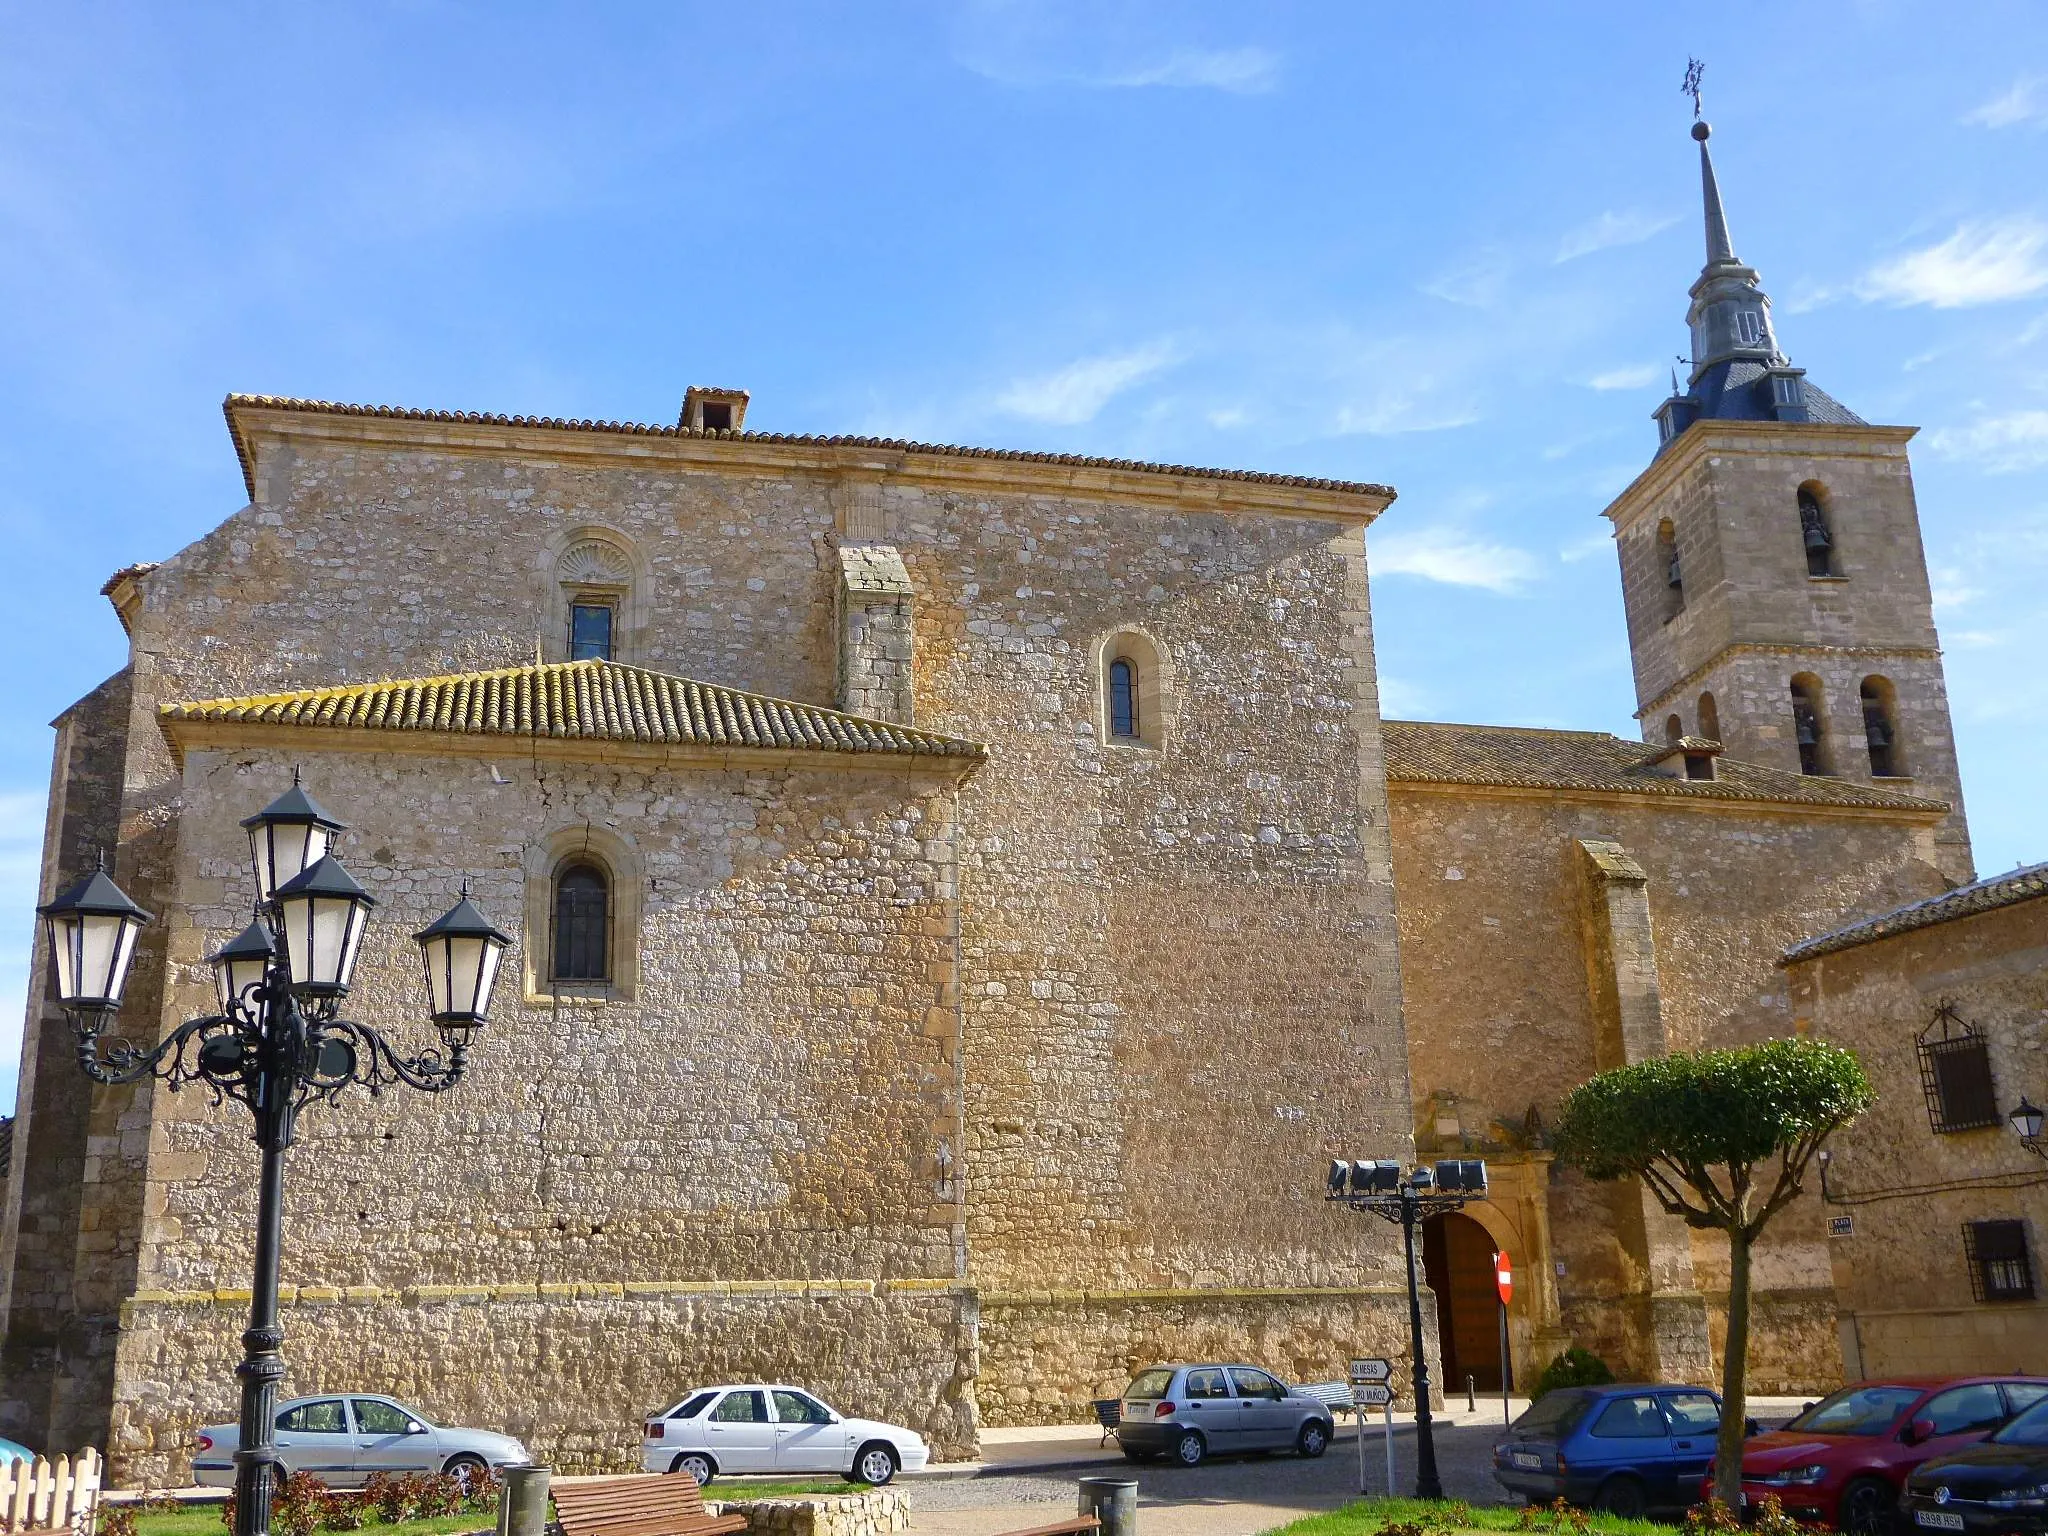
(1443, 247)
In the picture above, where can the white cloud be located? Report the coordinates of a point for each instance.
(1403, 700)
(1624, 378)
(1950, 587)
(2022, 104)
(1611, 229)
(1229, 416)
(1455, 559)
(1077, 392)
(1392, 412)
(1473, 284)
(1241, 71)
(1997, 444)
(1981, 263)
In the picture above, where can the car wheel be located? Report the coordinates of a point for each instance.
(697, 1464)
(1866, 1508)
(465, 1466)
(1314, 1438)
(1190, 1448)
(1622, 1497)
(876, 1464)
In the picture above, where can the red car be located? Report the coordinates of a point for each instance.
(1843, 1461)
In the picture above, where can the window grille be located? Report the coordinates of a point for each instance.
(582, 925)
(1999, 1267)
(1955, 1074)
(1123, 699)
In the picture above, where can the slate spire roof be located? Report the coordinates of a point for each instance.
(1738, 372)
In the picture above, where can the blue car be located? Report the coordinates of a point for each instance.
(9, 1451)
(1624, 1450)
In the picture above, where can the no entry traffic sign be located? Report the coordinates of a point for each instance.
(1503, 1277)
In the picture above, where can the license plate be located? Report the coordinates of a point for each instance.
(1524, 1459)
(1937, 1519)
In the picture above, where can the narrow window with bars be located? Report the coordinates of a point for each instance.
(1955, 1074)
(2000, 1269)
(582, 924)
(1123, 699)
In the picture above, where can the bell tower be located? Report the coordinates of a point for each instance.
(1771, 566)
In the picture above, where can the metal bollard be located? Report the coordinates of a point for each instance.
(1471, 1395)
(523, 1503)
(1113, 1501)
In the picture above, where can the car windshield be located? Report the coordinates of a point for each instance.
(1856, 1411)
(1149, 1384)
(1554, 1413)
(2030, 1428)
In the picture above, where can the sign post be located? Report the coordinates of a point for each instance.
(1370, 1385)
(1504, 1283)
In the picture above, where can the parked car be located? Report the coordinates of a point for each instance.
(1622, 1449)
(9, 1451)
(1193, 1411)
(1844, 1461)
(760, 1427)
(1999, 1487)
(344, 1439)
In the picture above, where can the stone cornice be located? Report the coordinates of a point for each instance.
(258, 423)
(1821, 440)
(1929, 812)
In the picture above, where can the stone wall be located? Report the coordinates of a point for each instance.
(878, 1512)
(1047, 1355)
(1902, 1277)
(571, 1369)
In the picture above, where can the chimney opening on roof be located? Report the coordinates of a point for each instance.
(714, 410)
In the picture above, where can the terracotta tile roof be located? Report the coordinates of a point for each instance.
(890, 444)
(1425, 752)
(580, 700)
(1987, 895)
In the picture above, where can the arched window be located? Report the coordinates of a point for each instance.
(583, 927)
(1123, 698)
(1881, 728)
(1815, 533)
(1809, 724)
(1710, 717)
(1669, 570)
(1673, 728)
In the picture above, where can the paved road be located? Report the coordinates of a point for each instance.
(1234, 1496)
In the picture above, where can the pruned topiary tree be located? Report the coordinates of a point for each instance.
(1722, 1140)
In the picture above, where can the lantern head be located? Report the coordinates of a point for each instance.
(92, 926)
(462, 951)
(287, 837)
(240, 964)
(322, 913)
(2027, 1120)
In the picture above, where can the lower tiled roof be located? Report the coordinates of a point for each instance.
(578, 700)
(2025, 884)
(1516, 757)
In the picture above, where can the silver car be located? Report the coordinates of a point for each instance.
(1190, 1412)
(344, 1439)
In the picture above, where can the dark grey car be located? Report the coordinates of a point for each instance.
(1189, 1412)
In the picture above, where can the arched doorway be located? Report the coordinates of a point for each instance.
(1457, 1260)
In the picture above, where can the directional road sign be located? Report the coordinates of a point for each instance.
(1366, 1394)
(1371, 1370)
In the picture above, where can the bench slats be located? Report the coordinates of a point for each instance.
(653, 1504)
(1080, 1525)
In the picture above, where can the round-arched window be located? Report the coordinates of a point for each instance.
(1123, 699)
(582, 924)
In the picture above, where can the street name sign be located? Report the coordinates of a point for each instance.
(1366, 1394)
(1371, 1370)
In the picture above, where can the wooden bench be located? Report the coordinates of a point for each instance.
(1109, 1412)
(1080, 1525)
(652, 1504)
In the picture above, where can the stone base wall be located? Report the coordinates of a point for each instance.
(1794, 1346)
(1046, 1355)
(880, 1512)
(571, 1370)
(1947, 1341)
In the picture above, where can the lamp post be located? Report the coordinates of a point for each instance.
(277, 1043)
(1381, 1188)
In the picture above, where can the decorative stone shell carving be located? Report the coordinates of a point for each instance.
(594, 562)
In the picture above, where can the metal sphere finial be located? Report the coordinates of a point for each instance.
(1700, 130)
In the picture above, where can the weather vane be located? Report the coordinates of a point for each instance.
(1694, 68)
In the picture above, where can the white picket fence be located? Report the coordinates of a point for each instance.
(55, 1495)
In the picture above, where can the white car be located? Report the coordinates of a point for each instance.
(760, 1427)
(344, 1439)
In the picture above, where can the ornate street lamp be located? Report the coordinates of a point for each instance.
(2027, 1121)
(1380, 1187)
(277, 1043)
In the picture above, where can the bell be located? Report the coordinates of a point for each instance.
(1876, 731)
(1817, 538)
(1808, 729)
(1672, 579)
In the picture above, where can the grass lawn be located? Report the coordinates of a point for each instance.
(1369, 1516)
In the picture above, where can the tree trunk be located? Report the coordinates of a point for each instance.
(1734, 1375)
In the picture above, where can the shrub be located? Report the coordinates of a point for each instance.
(391, 1497)
(481, 1489)
(300, 1502)
(437, 1493)
(1712, 1518)
(1574, 1368)
(117, 1520)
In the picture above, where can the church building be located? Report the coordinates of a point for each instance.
(961, 899)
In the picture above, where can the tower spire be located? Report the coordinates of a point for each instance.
(1720, 248)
